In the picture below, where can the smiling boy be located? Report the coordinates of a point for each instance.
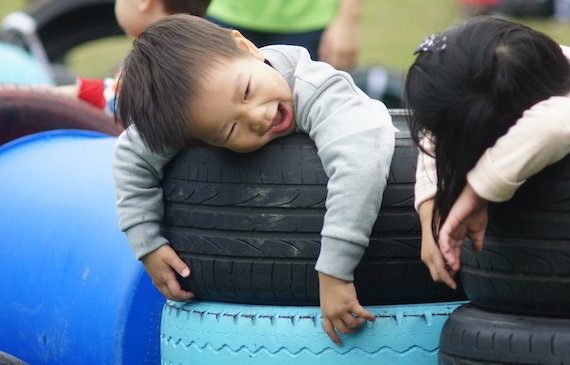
(188, 80)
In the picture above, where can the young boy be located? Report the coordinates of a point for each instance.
(186, 80)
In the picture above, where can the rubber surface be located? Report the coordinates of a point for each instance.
(24, 111)
(473, 336)
(89, 20)
(249, 226)
(220, 334)
(525, 264)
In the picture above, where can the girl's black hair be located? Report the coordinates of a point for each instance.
(468, 93)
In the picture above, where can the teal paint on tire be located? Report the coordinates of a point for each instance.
(19, 67)
(221, 333)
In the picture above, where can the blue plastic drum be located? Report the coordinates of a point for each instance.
(20, 67)
(71, 290)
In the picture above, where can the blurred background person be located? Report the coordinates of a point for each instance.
(328, 29)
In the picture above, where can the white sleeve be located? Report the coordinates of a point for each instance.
(540, 138)
(426, 173)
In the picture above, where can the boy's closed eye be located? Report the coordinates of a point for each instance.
(247, 90)
(232, 129)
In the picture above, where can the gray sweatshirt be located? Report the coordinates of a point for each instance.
(355, 140)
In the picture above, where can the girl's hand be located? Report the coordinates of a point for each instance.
(162, 265)
(340, 307)
(468, 216)
(430, 253)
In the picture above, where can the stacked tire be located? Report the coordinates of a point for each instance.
(519, 285)
(249, 227)
(25, 110)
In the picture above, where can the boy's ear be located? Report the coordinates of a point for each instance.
(246, 45)
(151, 10)
(144, 5)
(151, 6)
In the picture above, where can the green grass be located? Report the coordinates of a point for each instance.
(390, 31)
(7, 6)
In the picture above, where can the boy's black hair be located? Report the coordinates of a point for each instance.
(162, 72)
(469, 86)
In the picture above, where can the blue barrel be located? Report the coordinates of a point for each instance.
(20, 67)
(71, 290)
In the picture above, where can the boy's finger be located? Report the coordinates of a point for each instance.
(363, 313)
(340, 326)
(178, 265)
(163, 289)
(329, 330)
(352, 320)
(176, 292)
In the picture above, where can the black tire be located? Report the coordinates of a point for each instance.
(65, 24)
(539, 210)
(473, 336)
(519, 276)
(249, 226)
(24, 111)
(526, 8)
(525, 264)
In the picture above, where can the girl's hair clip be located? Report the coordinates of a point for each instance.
(432, 43)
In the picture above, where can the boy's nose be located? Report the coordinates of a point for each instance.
(259, 121)
(259, 127)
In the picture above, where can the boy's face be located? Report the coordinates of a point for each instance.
(243, 104)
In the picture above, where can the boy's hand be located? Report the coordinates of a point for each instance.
(162, 266)
(340, 307)
(430, 253)
(468, 216)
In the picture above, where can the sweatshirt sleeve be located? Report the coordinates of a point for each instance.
(355, 140)
(137, 172)
(426, 173)
(540, 138)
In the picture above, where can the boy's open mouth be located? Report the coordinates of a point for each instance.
(282, 119)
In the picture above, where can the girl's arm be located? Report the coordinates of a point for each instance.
(540, 138)
(426, 174)
(425, 189)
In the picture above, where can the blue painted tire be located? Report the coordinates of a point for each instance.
(19, 67)
(221, 333)
(72, 291)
